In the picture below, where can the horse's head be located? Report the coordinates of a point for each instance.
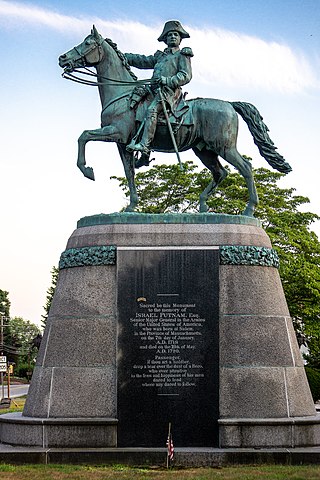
(87, 54)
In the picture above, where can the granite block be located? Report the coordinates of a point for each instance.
(255, 436)
(23, 456)
(114, 456)
(37, 402)
(77, 436)
(81, 342)
(299, 396)
(43, 344)
(85, 291)
(270, 433)
(20, 434)
(83, 392)
(296, 354)
(251, 290)
(255, 340)
(169, 234)
(77, 432)
(254, 392)
(307, 435)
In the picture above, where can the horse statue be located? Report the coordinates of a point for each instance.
(212, 133)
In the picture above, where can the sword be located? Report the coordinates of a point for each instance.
(170, 129)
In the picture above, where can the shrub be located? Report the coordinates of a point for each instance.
(23, 369)
(313, 376)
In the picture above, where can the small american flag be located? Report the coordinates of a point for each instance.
(170, 446)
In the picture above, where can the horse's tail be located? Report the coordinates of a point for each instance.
(259, 131)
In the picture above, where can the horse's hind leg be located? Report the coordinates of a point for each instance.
(128, 165)
(211, 161)
(244, 167)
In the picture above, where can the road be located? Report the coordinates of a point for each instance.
(15, 390)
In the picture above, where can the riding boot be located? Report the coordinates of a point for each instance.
(148, 133)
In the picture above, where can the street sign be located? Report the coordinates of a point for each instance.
(3, 367)
(3, 359)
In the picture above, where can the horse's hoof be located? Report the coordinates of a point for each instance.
(129, 209)
(203, 208)
(88, 173)
(248, 212)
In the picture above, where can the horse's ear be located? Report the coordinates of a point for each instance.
(95, 32)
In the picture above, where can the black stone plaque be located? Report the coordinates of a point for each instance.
(168, 347)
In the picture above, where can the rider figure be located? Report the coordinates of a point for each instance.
(172, 69)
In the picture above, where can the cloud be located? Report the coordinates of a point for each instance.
(17, 13)
(226, 58)
(222, 58)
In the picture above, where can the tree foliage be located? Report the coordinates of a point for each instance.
(18, 334)
(18, 340)
(50, 293)
(4, 303)
(165, 188)
(5, 314)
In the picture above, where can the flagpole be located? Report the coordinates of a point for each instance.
(168, 446)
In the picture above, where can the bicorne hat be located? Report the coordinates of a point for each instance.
(173, 25)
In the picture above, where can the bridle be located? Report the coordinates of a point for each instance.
(84, 70)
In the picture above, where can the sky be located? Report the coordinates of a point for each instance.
(265, 52)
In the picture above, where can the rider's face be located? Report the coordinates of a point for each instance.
(173, 39)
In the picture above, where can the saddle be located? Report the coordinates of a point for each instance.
(182, 115)
(140, 99)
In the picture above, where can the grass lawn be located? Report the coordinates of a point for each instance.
(17, 405)
(61, 472)
(120, 472)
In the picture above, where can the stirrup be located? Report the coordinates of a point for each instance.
(130, 147)
(139, 147)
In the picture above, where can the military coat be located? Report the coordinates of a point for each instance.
(172, 64)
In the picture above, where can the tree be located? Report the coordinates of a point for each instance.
(164, 188)
(4, 303)
(4, 314)
(18, 342)
(18, 336)
(50, 293)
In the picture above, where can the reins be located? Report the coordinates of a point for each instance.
(86, 71)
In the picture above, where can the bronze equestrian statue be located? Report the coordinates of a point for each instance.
(208, 126)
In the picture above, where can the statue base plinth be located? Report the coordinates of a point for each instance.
(229, 341)
(285, 432)
(58, 432)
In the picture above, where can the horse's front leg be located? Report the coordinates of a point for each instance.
(105, 134)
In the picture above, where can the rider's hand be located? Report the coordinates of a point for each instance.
(163, 80)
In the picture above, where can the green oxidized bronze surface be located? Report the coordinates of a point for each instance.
(207, 126)
(88, 256)
(156, 218)
(229, 255)
(248, 255)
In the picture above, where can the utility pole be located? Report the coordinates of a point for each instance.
(2, 325)
(1, 340)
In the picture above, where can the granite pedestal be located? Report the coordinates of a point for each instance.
(167, 318)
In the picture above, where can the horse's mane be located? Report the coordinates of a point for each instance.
(123, 59)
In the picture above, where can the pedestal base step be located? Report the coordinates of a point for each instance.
(269, 432)
(154, 457)
(58, 432)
